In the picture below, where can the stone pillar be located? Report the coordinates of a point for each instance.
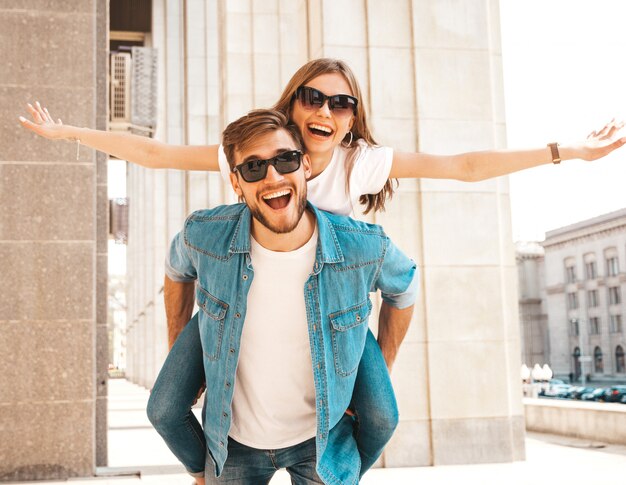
(51, 248)
(432, 76)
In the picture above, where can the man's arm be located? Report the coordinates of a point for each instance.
(398, 282)
(393, 324)
(179, 300)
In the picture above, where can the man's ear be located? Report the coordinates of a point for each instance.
(234, 181)
(306, 166)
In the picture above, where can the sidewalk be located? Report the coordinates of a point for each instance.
(137, 455)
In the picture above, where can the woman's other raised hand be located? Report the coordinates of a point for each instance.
(43, 124)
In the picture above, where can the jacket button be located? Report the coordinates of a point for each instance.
(358, 318)
(245, 277)
(225, 415)
(237, 315)
(228, 384)
(232, 351)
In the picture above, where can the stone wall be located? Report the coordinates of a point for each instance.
(605, 422)
(52, 242)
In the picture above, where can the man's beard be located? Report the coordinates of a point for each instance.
(289, 225)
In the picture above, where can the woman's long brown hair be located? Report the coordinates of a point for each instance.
(360, 129)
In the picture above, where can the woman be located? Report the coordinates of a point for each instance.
(324, 100)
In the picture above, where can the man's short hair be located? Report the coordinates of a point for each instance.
(241, 133)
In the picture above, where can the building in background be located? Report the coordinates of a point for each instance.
(585, 285)
(571, 299)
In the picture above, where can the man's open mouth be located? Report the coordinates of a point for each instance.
(278, 200)
(319, 130)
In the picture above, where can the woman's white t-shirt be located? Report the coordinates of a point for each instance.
(328, 191)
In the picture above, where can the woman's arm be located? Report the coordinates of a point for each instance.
(133, 148)
(475, 166)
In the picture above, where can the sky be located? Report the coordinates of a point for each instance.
(564, 65)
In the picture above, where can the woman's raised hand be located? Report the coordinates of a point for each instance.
(43, 124)
(602, 142)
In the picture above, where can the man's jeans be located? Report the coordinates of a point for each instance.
(182, 375)
(250, 466)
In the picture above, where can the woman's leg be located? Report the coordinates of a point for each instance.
(173, 394)
(374, 404)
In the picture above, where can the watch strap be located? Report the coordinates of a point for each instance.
(554, 149)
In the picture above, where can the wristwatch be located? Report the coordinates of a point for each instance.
(554, 148)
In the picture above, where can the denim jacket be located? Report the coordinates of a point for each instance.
(352, 259)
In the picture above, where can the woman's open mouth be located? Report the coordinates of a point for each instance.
(320, 130)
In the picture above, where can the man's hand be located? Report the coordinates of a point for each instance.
(202, 389)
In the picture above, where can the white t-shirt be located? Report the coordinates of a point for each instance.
(328, 191)
(274, 396)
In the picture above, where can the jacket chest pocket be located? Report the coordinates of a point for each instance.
(211, 322)
(349, 329)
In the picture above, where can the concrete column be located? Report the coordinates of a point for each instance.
(52, 251)
(432, 74)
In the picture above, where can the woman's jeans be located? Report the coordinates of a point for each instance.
(182, 376)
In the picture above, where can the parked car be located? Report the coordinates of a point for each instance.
(577, 391)
(549, 389)
(558, 391)
(556, 382)
(615, 394)
(594, 395)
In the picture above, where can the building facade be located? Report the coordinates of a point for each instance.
(416, 62)
(585, 284)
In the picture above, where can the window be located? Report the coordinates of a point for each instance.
(620, 365)
(574, 327)
(615, 295)
(616, 323)
(612, 266)
(592, 298)
(597, 361)
(572, 301)
(594, 326)
(591, 270)
(577, 364)
(570, 273)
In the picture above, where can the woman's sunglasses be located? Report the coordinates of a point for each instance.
(255, 170)
(339, 104)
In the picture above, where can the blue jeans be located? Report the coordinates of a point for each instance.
(250, 466)
(182, 375)
(172, 396)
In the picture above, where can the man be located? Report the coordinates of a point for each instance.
(283, 291)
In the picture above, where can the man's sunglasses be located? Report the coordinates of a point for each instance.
(255, 170)
(339, 104)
